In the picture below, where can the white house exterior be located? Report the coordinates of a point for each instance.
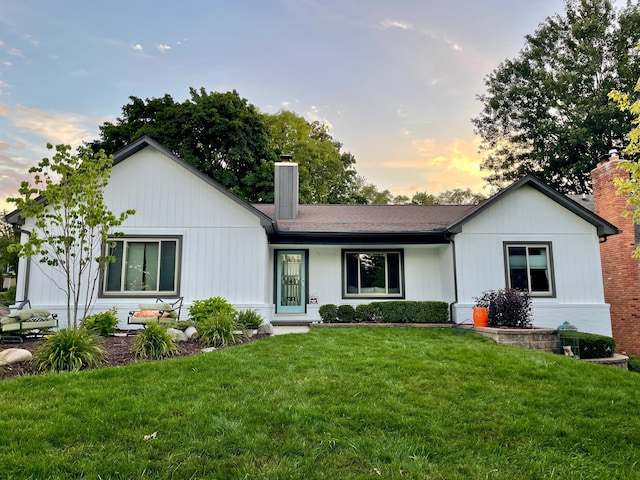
(285, 260)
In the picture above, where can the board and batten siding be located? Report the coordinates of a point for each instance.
(224, 248)
(526, 215)
(428, 274)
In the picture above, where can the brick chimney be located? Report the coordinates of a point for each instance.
(286, 188)
(621, 273)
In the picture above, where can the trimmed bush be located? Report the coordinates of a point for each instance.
(103, 324)
(367, 312)
(328, 313)
(634, 364)
(202, 309)
(346, 313)
(154, 342)
(218, 330)
(249, 319)
(507, 307)
(408, 311)
(595, 346)
(68, 350)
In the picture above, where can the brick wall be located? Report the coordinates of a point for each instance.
(621, 274)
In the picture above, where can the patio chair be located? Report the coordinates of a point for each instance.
(23, 322)
(165, 311)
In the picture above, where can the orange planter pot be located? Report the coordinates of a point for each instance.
(480, 317)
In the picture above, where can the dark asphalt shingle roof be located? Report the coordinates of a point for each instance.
(369, 218)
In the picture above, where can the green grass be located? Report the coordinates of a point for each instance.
(333, 403)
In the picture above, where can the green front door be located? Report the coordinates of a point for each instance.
(290, 281)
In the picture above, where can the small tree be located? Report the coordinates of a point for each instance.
(71, 222)
(631, 186)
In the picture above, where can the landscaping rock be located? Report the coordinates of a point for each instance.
(265, 329)
(178, 335)
(190, 331)
(209, 349)
(14, 355)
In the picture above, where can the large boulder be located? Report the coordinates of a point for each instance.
(265, 329)
(14, 355)
(178, 335)
(190, 331)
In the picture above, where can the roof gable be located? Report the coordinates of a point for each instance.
(146, 141)
(603, 227)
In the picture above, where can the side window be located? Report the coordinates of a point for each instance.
(529, 268)
(143, 266)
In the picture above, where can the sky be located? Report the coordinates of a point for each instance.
(396, 81)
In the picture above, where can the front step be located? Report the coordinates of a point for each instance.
(291, 323)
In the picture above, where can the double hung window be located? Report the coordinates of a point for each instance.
(147, 266)
(529, 268)
(373, 274)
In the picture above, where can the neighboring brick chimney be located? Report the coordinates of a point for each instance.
(621, 273)
(286, 188)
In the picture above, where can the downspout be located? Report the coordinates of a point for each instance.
(26, 262)
(449, 236)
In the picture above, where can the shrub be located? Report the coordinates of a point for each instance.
(633, 363)
(202, 309)
(218, 330)
(249, 319)
(8, 297)
(367, 312)
(346, 313)
(507, 307)
(595, 346)
(103, 324)
(154, 342)
(407, 311)
(328, 313)
(68, 350)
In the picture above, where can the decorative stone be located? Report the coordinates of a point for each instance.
(190, 331)
(178, 335)
(265, 329)
(208, 349)
(14, 355)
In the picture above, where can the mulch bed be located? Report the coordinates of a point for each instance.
(119, 351)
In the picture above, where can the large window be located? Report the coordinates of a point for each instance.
(143, 266)
(372, 274)
(529, 268)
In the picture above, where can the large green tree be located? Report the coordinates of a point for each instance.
(220, 134)
(327, 175)
(227, 138)
(70, 222)
(546, 111)
(8, 259)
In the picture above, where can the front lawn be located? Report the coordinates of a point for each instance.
(333, 403)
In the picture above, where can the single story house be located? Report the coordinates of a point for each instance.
(193, 238)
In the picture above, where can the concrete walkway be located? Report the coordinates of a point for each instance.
(283, 329)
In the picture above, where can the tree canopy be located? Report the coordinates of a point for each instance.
(227, 138)
(546, 111)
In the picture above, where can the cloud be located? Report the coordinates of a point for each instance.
(1, 43)
(387, 24)
(14, 52)
(163, 48)
(54, 127)
(7, 63)
(31, 130)
(31, 39)
(137, 47)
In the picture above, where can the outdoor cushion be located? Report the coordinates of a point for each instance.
(150, 313)
(12, 327)
(165, 307)
(27, 313)
(6, 320)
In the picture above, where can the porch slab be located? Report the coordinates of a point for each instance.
(285, 329)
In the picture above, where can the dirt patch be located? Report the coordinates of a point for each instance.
(119, 351)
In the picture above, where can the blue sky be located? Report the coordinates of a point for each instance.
(396, 80)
